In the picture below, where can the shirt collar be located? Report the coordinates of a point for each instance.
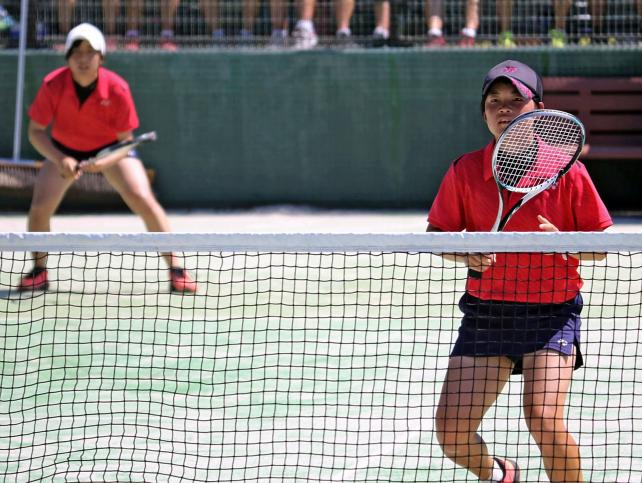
(102, 86)
(487, 168)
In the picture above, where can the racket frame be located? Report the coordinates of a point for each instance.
(501, 221)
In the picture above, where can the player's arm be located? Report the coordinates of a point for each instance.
(475, 261)
(40, 140)
(98, 165)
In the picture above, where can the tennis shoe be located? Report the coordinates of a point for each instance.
(181, 281)
(36, 279)
(510, 469)
(466, 41)
(436, 41)
(304, 39)
(557, 38)
(168, 45)
(112, 44)
(506, 39)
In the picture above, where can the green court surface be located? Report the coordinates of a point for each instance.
(282, 368)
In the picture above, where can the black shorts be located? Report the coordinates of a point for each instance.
(512, 329)
(84, 155)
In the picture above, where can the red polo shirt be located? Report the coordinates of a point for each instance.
(107, 111)
(467, 200)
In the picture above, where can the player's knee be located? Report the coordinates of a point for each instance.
(141, 202)
(542, 422)
(447, 436)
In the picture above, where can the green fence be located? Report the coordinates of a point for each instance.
(351, 128)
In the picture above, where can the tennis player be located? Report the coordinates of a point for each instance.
(88, 108)
(522, 316)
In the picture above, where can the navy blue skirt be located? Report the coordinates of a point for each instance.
(512, 329)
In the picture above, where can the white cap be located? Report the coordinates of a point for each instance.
(86, 31)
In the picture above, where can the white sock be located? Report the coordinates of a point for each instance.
(468, 32)
(306, 25)
(435, 32)
(346, 32)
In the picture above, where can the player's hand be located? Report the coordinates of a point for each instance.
(546, 225)
(68, 168)
(90, 166)
(480, 262)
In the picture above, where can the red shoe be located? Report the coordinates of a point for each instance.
(511, 470)
(466, 41)
(36, 279)
(112, 44)
(168, 45)
(181, 281)
(436, 41)
(132, 44)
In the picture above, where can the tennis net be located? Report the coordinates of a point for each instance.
(303, 357)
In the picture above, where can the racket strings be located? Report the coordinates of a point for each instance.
(536, 150)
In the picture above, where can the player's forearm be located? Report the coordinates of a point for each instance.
(41, 141)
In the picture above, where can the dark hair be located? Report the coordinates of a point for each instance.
(507, 81)
(75, 45)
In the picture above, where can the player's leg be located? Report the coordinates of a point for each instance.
(48, 192)
(343, 14)
(304, 34)
(433, 12)
(547, 378)
(129, 178)
(279, 20)
(110, 14)
(65, 15)
(134, 14)
(470, 388)
(212, 15)
(469, 31)
(168, 15)
(382, 19)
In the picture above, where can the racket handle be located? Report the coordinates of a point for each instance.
(474, 273)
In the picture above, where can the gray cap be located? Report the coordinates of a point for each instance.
(526, 80)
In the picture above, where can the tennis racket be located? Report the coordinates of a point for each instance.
(120, 149)
(535, 150)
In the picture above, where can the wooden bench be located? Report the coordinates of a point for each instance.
(609, 107)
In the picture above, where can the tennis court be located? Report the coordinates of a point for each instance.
(284, 367)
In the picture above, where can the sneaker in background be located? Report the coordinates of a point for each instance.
(304, 39)
(167, 42)
(557, 38)
(506, 39)
(380, 37)
(466, 41)
(435, 41)
(278, 38)
(132, 41)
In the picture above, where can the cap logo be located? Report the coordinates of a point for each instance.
(509, 69)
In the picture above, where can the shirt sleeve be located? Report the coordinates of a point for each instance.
(446, 212)
(590, 212)
(42, 109)
(126, 118)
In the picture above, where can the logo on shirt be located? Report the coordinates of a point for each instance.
(562, 342)
(105, 103)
